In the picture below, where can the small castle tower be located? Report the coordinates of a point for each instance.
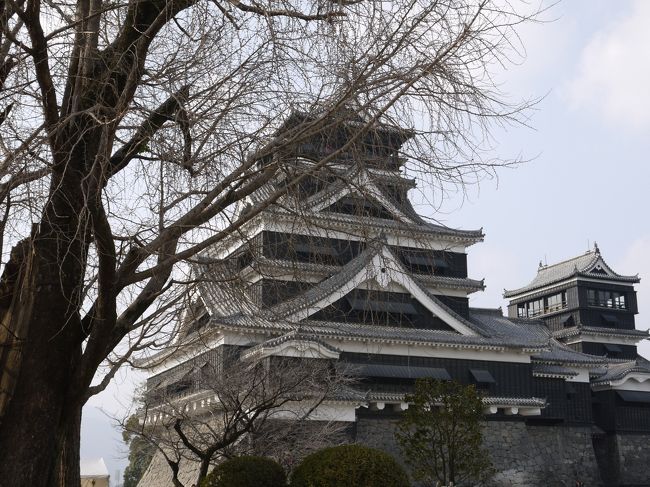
(585, 303)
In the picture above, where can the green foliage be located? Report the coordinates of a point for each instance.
(140, 454)
(349, 466)
(441, 434)
(246, 471)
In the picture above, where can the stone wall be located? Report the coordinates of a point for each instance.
(524, 456)
(634, 460)
(553, 456)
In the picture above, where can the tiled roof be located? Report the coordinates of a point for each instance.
(345, 184)
(426, 279)
(331, 220)
(545, 370)
(560, 354)
(265, 262)
(222, 294)
(344, 116)
(451, 282)
(328, 286)
(512, 336)
(336, 282)
(381, 334)
(292, 335)
(618, 371)
(521, 331)
(416, 335)
(596, 330)
(534, 402)
(582, 265)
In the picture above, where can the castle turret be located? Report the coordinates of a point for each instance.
(585, 303)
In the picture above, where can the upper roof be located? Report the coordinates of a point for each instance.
(346, 116)
(589, 265)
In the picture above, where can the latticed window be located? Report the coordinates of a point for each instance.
(555, 302)
(548, 304)
(606, 299)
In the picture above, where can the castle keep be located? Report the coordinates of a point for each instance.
(343, 268)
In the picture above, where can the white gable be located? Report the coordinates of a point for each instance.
(384, 269)
(362, 186)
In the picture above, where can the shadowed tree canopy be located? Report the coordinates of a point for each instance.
(134, 131)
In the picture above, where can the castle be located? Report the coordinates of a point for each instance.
(343, 268)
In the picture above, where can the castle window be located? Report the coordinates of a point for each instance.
(606, 299)
(639, 397)
(536, 307)
(360, 207)
(398, 371)
(482, 378)
(556, 302)
(522, 311)
(309, 248)
(363, 304)
(548, 304)
(612, 349)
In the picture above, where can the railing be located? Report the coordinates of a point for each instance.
(547, 309)
(606, 304)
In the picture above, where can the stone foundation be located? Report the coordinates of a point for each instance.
(553, 456)
(634, 458)
(624, 459)
(523, 456)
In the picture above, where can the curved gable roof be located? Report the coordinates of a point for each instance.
(377, 262)
(591, 264)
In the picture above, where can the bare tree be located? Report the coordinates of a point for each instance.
(266, 407)
(132, 137)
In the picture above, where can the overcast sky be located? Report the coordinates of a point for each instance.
(589, 181)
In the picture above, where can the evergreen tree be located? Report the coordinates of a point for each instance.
(441, 434)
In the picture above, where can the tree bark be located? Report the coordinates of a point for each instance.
(40, 423)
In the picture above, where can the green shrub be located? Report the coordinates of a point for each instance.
(349, 466)
(246, 471)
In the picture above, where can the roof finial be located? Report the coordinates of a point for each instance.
(596, 249)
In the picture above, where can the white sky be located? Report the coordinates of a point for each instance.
(590, 180)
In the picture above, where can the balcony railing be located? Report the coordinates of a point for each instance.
(531, 313)
(610, 304)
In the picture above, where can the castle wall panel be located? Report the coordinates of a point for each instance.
(594, 348)
(512, 379)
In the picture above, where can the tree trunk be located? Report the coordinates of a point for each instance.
(42, 420)
(67, 468)
(40, 423)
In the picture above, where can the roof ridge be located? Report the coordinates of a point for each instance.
(566, 261)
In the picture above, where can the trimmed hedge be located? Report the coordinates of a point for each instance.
(246, 471)
(349, 466)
